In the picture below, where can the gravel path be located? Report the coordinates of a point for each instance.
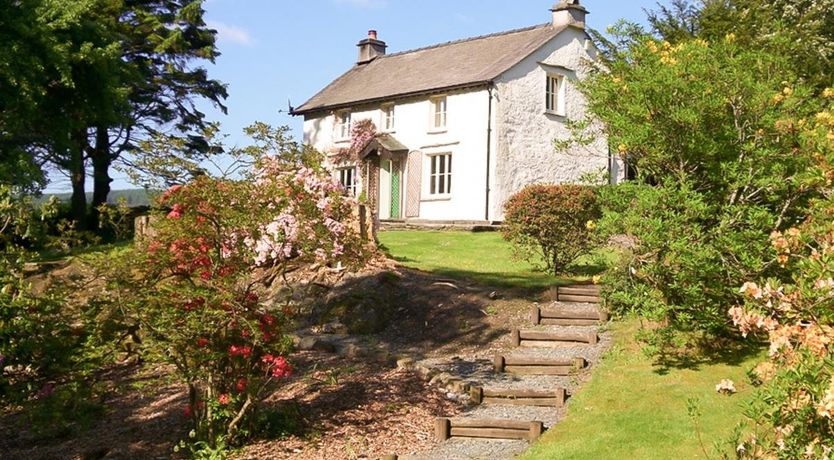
(477, 370)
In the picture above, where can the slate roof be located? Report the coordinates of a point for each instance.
(456, 64)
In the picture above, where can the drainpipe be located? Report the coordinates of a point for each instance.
(488, 150)
(611, 179)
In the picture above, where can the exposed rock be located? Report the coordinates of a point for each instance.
(316, 344)
(405, 363)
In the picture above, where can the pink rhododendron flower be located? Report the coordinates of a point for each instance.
(223, 399)
(751, 290)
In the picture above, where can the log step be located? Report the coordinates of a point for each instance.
(446, 428)
(584, 293)
(543, 339)
(538, 398)
(564, 317)
(537, 366)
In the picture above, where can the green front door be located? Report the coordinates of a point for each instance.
(395, 189)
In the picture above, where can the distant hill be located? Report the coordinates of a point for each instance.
(135, 197)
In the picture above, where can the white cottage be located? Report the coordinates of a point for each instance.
(463, 125)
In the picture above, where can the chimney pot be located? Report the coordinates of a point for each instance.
(370, 48)
(569, 12)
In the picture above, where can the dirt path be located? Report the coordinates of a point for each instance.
(335, 406)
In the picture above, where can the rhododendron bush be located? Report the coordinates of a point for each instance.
(197, 285)
(795, 411)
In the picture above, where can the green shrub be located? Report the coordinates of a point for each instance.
(550, 223)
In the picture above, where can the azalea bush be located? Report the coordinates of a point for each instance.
(794, 413)
(196, 287)
(50, 349)
(551, 223)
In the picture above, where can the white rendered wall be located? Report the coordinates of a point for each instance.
(525, 153)
(465, 137)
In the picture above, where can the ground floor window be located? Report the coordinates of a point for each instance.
(347, 177)
(440, 176)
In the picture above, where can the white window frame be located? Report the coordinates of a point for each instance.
(350, 186)
(438, 179)
(388, 119)
(344, 125)
(554, 100)
(438, 113)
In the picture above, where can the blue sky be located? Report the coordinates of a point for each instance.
(279, 50)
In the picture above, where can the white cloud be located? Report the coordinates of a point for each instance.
(364, 3)
(232, 34)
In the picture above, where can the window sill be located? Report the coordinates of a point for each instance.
(388, 131)
(342, 141)
(554, 113)
(437, 131)
(436, 198)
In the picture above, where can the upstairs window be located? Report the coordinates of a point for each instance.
(389, 118)
(440, 177)
(555, 94)
(347, 177)
(438, 113)
(343, 124)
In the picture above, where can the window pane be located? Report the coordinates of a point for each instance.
(449, 164)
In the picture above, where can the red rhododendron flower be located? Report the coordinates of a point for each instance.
(202, 342)
(223, 399)
(176, 211)
(240, 386)
(278, 366)
(245, 351)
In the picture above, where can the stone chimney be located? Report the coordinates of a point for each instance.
(569, 12)
(370, 48)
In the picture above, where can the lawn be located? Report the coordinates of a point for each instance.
(632, 409)
(482, 257)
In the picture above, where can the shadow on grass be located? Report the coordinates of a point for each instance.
(725, 351)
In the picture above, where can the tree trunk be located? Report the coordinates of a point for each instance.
(78, 177)
(101, 159)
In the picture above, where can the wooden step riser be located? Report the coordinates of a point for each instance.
(489, 433)
(534, 366)
(567, 322)
(577, 298)
(446, 428)
(540, 315)
(543, 339)
(549, 344)
(575, 290)
(523, 397)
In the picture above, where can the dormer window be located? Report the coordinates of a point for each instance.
(555, 94)
(438, 113)
(343, 125)
(388, 118)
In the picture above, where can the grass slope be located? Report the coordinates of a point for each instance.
(632, 409)
(482, 257)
